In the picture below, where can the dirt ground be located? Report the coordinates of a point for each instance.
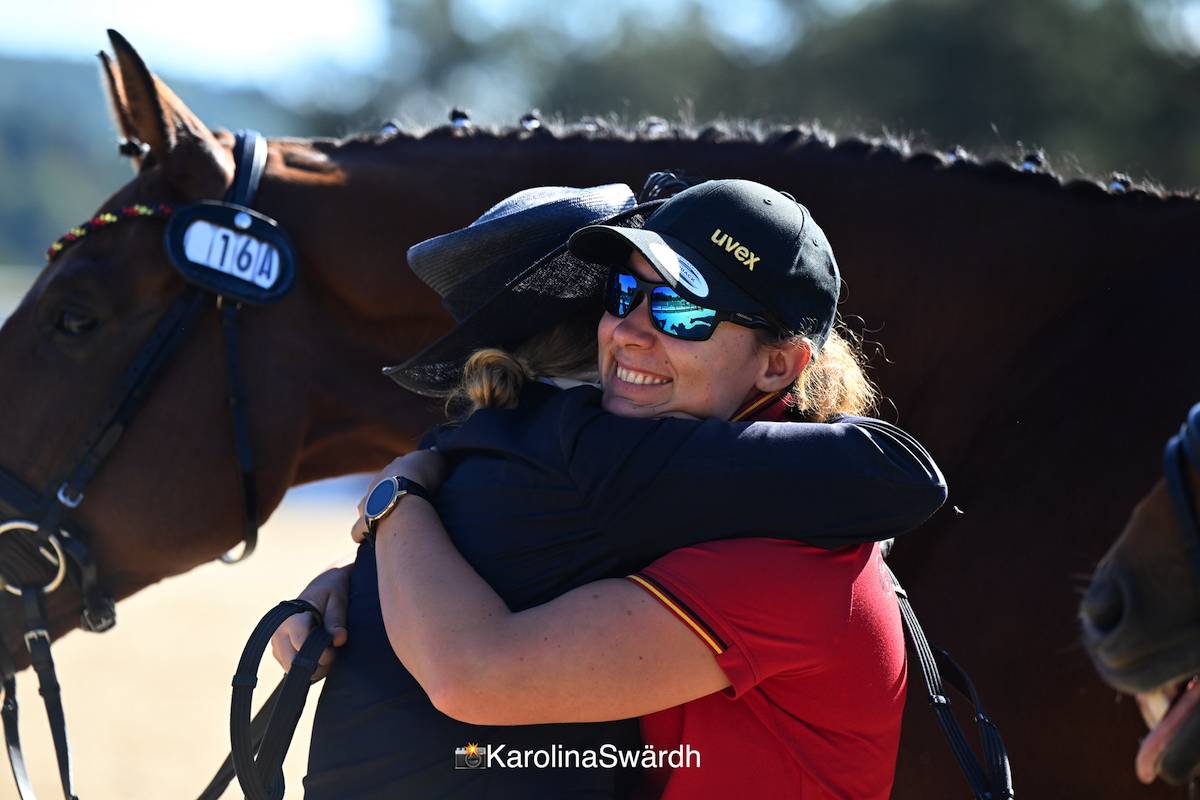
(147, 703)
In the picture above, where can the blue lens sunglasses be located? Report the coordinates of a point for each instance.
(671, 313)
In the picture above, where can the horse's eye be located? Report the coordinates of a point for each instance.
(75, 323)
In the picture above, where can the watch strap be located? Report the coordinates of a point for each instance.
(407, 486)
(404, 486)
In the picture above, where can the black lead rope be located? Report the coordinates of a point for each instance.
(259, 746)
(996, 784)
(37, 639)
(12, 740)
(258, 726)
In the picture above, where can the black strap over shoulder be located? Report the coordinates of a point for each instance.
(993, 782)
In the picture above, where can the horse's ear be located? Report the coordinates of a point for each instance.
(118, 106)
(149, 112)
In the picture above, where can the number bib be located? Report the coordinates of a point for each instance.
(231, 251)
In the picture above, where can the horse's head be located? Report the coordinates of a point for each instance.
(169, 495)
(1141, 621)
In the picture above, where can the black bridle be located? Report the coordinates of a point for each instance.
(40, 546)
(1182, 450)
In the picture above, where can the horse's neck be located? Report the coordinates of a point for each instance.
(1021, 312)
(970, 279)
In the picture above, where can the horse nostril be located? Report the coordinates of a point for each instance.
(1103, 605)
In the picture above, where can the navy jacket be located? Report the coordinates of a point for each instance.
(557, 493)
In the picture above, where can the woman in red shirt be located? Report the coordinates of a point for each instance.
(761, 666)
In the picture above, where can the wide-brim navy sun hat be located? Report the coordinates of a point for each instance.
(509, 275)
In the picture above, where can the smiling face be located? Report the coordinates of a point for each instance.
(645, 373)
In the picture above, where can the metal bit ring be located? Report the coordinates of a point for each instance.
(57, 557)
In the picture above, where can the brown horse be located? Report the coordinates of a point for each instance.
(1141, 614)
(1024, 319)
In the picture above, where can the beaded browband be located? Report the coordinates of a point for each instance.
(161, 211)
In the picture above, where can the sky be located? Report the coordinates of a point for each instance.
(277, 44)
(201, 41)
(304, 51)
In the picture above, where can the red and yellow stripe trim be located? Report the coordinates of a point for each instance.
(103, 220)
(683, 612)
(757, 404)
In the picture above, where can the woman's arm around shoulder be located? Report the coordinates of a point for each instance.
(829, 484)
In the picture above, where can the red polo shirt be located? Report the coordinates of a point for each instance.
(812, 643)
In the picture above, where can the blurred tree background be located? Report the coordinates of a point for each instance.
(1099, 85)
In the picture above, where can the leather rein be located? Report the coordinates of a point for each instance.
(41, 548)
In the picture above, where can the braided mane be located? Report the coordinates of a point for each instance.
(1032, 168)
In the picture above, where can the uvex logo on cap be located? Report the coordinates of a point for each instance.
(740, 251)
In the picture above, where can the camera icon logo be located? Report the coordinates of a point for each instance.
(473, 756)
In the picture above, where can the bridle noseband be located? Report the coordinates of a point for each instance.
(40, 547)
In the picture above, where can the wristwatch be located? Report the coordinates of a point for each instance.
(384, 497)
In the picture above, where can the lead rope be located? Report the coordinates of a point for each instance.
(37, 639)
(12, 730)
(258, 747)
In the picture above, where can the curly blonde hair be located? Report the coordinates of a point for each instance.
(835, 381)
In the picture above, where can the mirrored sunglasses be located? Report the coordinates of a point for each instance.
(670, 312)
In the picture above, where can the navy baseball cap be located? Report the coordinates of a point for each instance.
(733, 245)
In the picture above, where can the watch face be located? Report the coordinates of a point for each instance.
(380, 498)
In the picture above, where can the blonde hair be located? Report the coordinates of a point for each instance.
(835, 381)
(493, 378)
